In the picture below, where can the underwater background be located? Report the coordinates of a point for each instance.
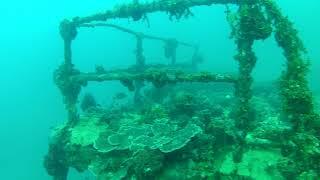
(31, 49)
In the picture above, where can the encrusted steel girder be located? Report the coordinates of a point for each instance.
(137, 10)
(158, 77)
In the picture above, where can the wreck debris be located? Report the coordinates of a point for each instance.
(112, 143)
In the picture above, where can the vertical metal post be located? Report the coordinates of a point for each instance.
(171, 50)
(68, 32)
(140, 65)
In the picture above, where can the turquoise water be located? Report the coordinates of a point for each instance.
(31, 49)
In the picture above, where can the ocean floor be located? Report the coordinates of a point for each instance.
(179, 132)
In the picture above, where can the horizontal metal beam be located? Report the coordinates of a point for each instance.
(138, 34)
(137, 10)
(157, 77)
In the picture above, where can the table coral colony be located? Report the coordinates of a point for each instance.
(183, 125)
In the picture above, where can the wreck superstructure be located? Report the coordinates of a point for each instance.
(255, 20)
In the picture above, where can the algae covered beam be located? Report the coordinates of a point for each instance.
(138, 34)
(158, 77)
(137, 10)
